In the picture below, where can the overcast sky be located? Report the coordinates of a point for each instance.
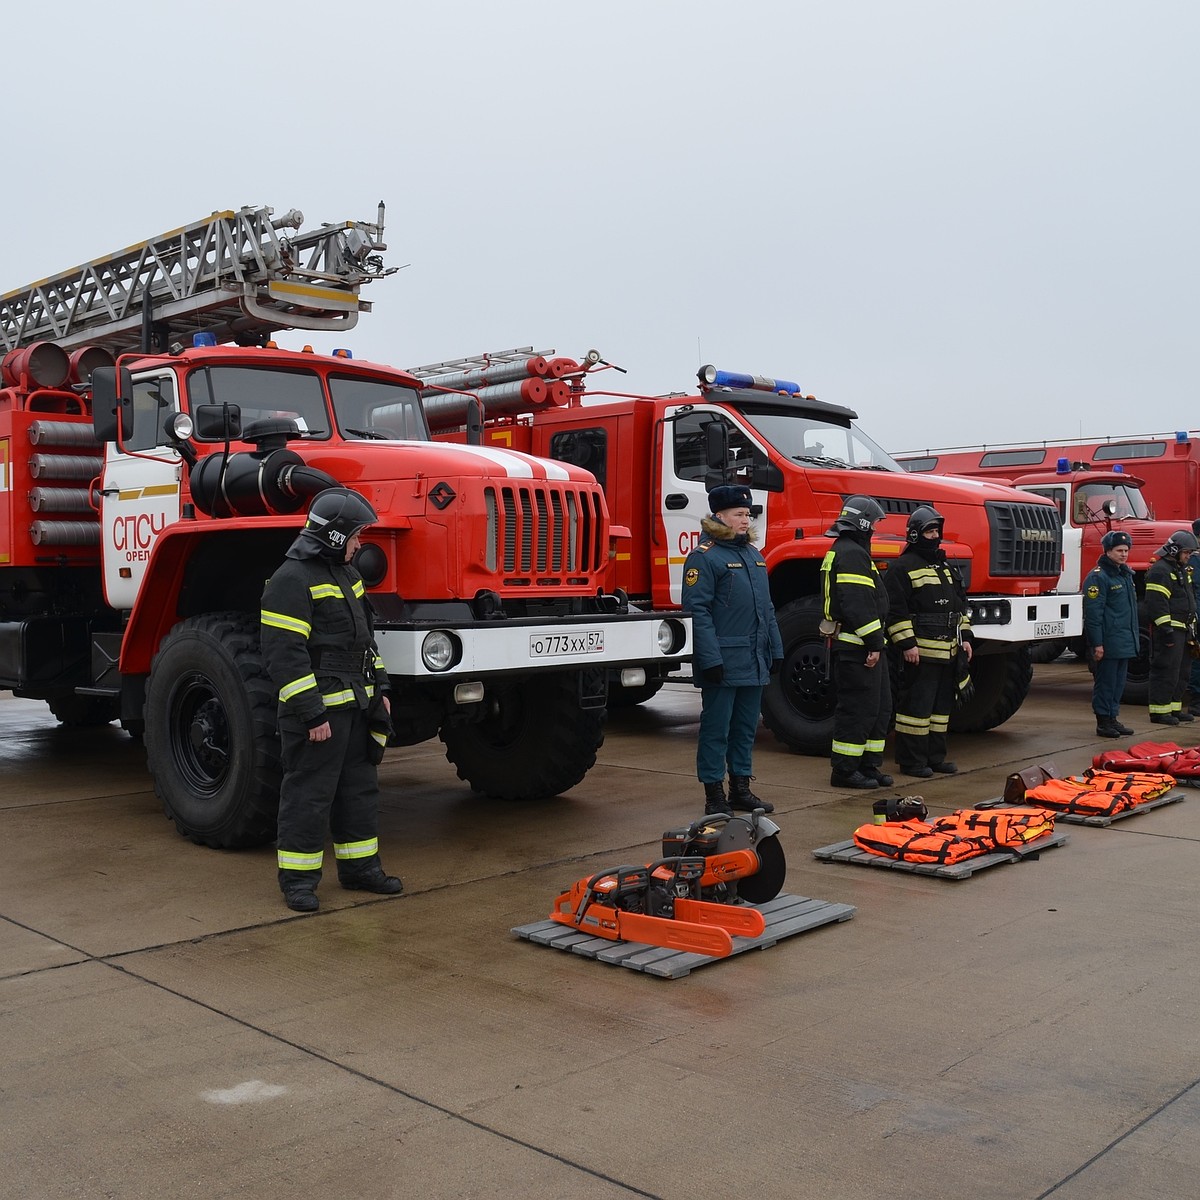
(970, 222)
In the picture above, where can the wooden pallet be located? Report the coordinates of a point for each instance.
(1093, 819)
(848, 852)
(785, 916)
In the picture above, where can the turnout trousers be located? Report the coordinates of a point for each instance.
(328, 786)
(923, 713)
(862, 711)
(728, 723)
(1108, 682)
(1170, 670)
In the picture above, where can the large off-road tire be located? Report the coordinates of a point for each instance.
(85, 711)
(797, 705)
(212, 743)
(1137, 679)
(1048, 651)
(1001, 685)
(534, 742)
(628, 697)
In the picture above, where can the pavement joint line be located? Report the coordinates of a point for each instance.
(390, 1087)
(108, 961)
(1083, 1166)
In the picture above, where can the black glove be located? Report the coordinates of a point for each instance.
(1166, 638)
(713, 675)
(776, 666)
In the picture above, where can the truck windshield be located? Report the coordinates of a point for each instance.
(377, 409)
(1090, 499)
(820, 444)
(264, 394)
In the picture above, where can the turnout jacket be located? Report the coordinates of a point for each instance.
(1110, 616)
(1170, 602)
(318, 640)
(726, 589)
(927, 606)
(854, 595)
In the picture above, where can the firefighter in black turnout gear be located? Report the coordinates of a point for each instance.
(927, 622)
(855, 605)
(1171, 611)
(318, 642)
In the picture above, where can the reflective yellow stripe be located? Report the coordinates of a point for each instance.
(913, 726)
(865, 580)
(901, 629)
(337, 699)
(875, 746)
(381, 738)
(849, 749)
(283, 621)
(358, 589)
(326, 591)
(304, 684)
(294, 860)
(356, 849)
(869, 627)
(1158, 587)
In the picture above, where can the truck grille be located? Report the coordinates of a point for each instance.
(1026, 539)
(544, 531)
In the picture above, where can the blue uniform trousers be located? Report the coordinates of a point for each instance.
(728, 723)
(1108, 683)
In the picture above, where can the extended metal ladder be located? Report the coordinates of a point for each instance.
(237, 275)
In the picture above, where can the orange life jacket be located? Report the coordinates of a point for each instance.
(1006, 828)
(1063, 796)
(919, 842)
(1145, 785)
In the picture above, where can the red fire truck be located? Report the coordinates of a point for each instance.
(157, 455)
(657, 456)
(1090, 502)
(1168, 464)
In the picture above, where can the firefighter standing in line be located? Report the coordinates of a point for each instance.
(318, 642)
(737, 647)
(1110, 621)
(927, 622)
(1193, 702)
(1171, 611)
(855, 601)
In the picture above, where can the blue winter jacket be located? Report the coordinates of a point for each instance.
(1110, 616)
(725, 588)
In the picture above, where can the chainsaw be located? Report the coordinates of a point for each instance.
(686, 900)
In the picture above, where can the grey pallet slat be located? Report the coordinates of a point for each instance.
(785, 916)
(848, 852)
(1092, 819)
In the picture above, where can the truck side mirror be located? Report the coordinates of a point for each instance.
(112, 404)
(221, 422)
(716, 446)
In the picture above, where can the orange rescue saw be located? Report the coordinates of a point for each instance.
(686, 900)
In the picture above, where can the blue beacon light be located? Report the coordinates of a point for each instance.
(204, 339)
(1063, 466)
(733, 379)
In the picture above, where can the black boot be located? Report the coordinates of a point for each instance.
(714, 799)
(944, 768)
(1105, 727)
(1163, 719)
(880, 778)
(853, 779)
(371, 879)
(742, 798)
(301, 898)
(1184, 717)
(1123, 730)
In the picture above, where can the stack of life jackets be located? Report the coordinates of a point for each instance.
(1182, 764)
(964, 833)
(1100, 793)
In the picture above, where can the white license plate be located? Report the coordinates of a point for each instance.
(1049, 629)
(575, 641)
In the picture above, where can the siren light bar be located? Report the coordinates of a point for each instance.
(709, 376)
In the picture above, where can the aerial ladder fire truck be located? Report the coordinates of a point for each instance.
(656, 456)
(157, 455)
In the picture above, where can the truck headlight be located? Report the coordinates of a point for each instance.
(672, 636)
(440, 650)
